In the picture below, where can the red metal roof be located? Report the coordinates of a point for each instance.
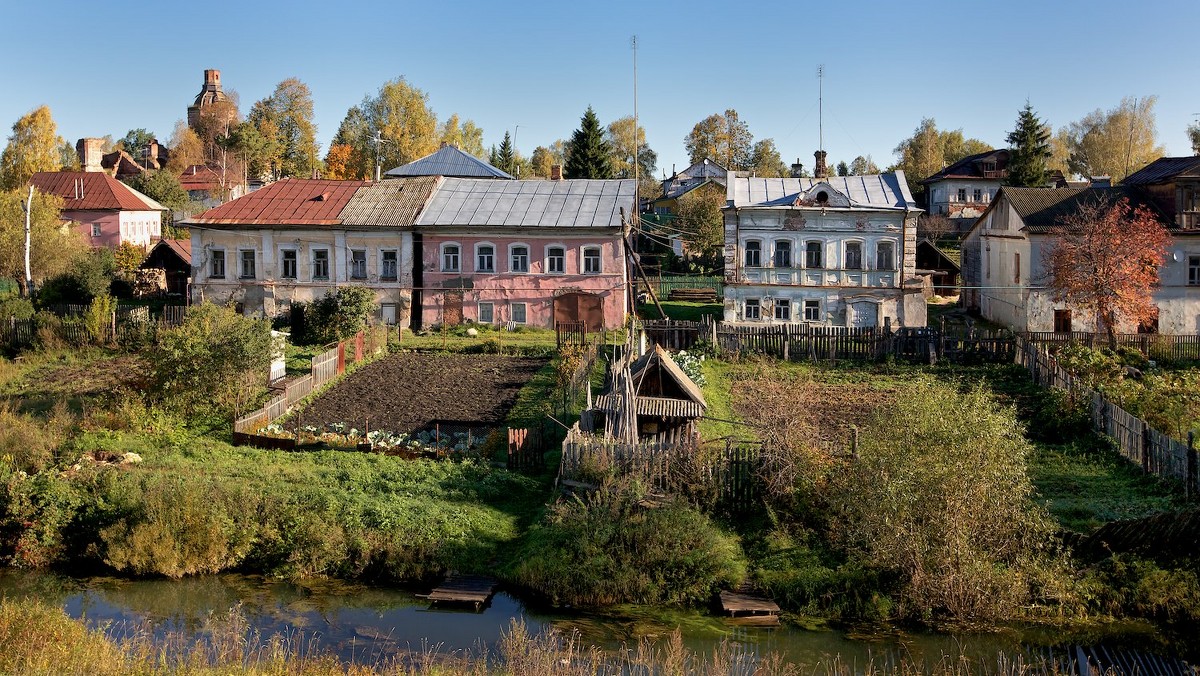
(200, 177)
(89, 190)
(292, 201)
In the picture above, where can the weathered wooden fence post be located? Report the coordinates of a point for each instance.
(1146, 464)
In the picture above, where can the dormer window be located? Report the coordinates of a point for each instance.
(822, 198)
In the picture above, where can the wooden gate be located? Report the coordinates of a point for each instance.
(578, 306)
(452, 308)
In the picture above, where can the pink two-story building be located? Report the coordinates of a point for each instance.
(523, 252)
(105, 211)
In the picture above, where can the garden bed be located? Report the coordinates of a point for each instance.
(406, 393)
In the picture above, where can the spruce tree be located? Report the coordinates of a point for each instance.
(1028, 150)
(587, 152)
(505, 156)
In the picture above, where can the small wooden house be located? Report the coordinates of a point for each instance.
(174, 258)
(667, 402)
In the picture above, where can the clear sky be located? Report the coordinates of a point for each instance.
(532, 68)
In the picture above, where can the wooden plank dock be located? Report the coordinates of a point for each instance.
(472, 589)
(743, 605)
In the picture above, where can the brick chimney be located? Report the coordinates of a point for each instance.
(820, 170)
(556, 172)
(90, 151)
(212, 78)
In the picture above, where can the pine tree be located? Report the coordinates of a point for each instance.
(1029, 150)
(505, 156)
(588, 153)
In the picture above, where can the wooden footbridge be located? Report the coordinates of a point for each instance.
(749, 608)
(474, 590)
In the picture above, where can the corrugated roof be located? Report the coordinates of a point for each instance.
(292, 201)
(573, 203)
(1043, 209)
(705, 168)
(395, 202)
(1163, 169)
(92, 190)
(874, 191)
(180, 247)
(449, 161)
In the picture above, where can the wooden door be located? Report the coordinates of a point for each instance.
(587, 308)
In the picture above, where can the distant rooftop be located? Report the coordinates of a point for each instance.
(876, 191)
(92, 190)
(992, 165)
(449, 161)
(1164, 169)
(540, 204)
(292, 201)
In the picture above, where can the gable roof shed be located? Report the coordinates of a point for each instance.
(449, 161)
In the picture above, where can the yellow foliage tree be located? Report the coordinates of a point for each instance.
(186, 148)
(53, 246)
(400, 113)
(34, 146)
(337, 162)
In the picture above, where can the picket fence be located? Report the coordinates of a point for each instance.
(1163, 347)
(125, 321)
(1155, 452)
(323, 368)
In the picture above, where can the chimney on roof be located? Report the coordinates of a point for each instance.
(556, 172)
(797, 169)
(819, 169)
(90, 151)
(150, 155)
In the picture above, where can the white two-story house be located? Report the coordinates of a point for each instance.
(836, 251)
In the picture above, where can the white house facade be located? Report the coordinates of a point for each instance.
(1004, 265)
(834, 251)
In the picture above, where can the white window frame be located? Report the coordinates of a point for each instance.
(442, 257)
(353, 264)
(784, 304)
(755, 303)
(212, 264)
(511, 254)
(862, 248)
(746, 253)
(1193, 269)
(820, 254)
(812, 304)
(242, 264)
(312, 264)
(977, 195)
(791, 261)
(97, 230)
(283, 263)
(546, 259)
(961, 195)
(583, 259)
(491, 312)
(512, 313)
(383, 276)
(478, 253)
(892, 260)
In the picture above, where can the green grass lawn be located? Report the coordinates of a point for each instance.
(681, 310)
(522, 340)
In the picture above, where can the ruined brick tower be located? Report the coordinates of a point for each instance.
(209, 95)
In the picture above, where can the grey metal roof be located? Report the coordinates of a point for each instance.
(1163, 169)
(1044, 209)
(573, 203)
(874, 191)
(395, 202)
(449, 161)
(705, 168)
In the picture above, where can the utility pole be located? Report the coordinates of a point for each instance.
(28, 214)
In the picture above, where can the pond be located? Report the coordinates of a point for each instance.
(365, 623)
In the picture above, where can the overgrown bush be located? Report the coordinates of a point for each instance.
(99, 317)
(28, 444)
(91, 274)
(216, 360)
(613, 548)
(16, 308)
(339, 314)
(939, 496)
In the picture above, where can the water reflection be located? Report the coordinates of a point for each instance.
(365, 623)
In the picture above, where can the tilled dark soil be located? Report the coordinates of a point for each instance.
(411, 392)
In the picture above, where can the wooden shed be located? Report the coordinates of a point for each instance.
(945, 269)
(667, 402)
(174, 258)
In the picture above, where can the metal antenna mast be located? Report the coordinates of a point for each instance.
(378, 140)
(633, 43)
(821, 106)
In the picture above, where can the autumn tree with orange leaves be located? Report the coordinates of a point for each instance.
(1106, 258)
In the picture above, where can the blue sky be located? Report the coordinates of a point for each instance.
(106, 67)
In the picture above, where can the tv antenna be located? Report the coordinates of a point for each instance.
(378, 140)
(821, 106)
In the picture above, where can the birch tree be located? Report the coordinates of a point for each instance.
(33, 146)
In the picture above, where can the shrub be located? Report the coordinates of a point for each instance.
(28, 444)
(939, 496)
(90, 275)
(611, 549)
(215, 360)
(99, 318)
(339, 314)
(16, 308)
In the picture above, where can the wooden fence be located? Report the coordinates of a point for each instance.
(663, 286)
(679, 335)
(1163, 347)
(125, 322)
(323, 368)
(729, 477)
(1155, 452)
(816, 343)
